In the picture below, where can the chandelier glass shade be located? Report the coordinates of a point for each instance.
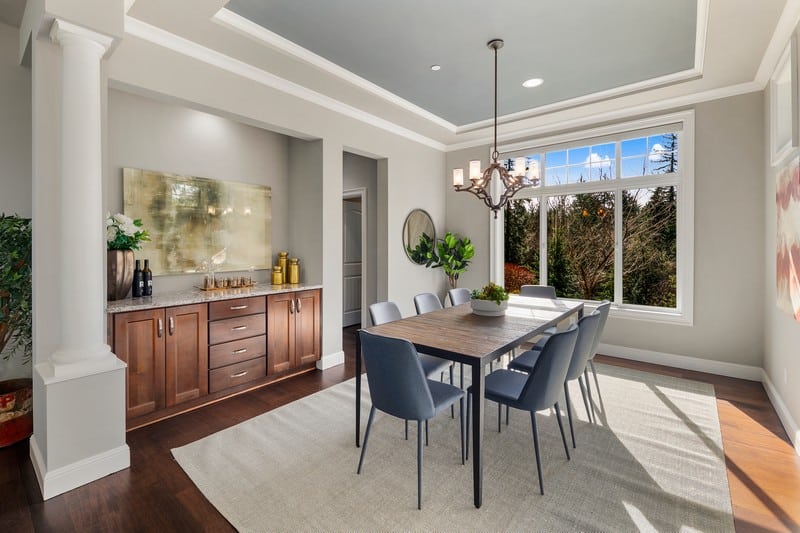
(511, 182)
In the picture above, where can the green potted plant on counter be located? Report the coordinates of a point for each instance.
(16, 318)
(491, 300)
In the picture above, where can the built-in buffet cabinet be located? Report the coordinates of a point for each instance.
(183, 356)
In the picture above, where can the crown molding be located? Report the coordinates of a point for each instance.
(787, 23)
(163, 38)
(252, 30)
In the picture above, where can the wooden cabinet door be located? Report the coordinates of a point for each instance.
(139, 341)
(307, 327)
(280, 332)
(186, 353)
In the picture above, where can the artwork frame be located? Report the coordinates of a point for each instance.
(784, 108)
(200, 225)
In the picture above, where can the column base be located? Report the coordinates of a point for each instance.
(331, 359)
(78, 423)
(66, 363)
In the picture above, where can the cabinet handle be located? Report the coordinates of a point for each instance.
(160, 328)
(171, 325)
(238, 307)
(239, 374)
(241, 350)
(239, 328)
(298, 305)
(291, 306)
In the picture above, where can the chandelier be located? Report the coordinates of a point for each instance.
(480, 181)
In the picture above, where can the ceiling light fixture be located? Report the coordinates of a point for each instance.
(533, 82)
(436, 67)
(481, 181)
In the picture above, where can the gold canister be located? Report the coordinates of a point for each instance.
(282, 258)
(294, 271)
(277, 275)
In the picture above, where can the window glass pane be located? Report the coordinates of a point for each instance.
(521, 243)
(649, 246)
(578, 173)
(634, 166)
(602, 162)
(577, 156)
(555, 175)
(633, 147)
(580, 245)
(556, 159)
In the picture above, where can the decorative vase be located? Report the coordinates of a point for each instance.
(16, 411)
(489, 307)
(120, 273)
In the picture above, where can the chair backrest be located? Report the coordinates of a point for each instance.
(383, 312)
(397, 384)
(538, 291)
(587, 331)
(546, 381)
(426, 302)
(603, 310)
(459, 296)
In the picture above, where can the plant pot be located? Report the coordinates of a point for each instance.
(16, 411)
(488, 307)
(120, 273)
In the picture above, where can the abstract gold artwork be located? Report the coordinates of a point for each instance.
(199, 224)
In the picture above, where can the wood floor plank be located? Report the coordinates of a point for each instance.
(156, 495)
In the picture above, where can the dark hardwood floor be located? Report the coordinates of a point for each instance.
(154, 494)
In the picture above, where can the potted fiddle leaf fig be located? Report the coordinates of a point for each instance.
(453, 255)
(16, 339)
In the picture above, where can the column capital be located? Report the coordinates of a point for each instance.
(61, 31)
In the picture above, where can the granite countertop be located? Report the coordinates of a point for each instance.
(197, 296)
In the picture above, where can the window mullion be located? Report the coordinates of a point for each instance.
(543, 207)
(618, 246)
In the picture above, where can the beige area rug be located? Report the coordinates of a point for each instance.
(653, 462)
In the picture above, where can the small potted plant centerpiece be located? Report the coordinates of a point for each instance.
(491, 300)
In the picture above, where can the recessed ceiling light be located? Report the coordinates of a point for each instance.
(533, 82)
(436, 67)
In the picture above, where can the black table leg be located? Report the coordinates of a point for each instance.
(358, 390)
(477, 432)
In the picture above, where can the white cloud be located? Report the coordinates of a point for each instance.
(594, 160)
(657, 153)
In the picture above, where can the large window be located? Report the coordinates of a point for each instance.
(611, 220)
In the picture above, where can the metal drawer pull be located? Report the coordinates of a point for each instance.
(241, 350)
(239, 328)
(238, 307)
(171, 325)
(298, 305)
(160, 327)
(291, 306)
(239, 374)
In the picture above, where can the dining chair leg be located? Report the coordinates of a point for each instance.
(561, 428)
(406, 429)
(569, 413)
(461, 426)
(589, 392)
(469, 412)
(499, 416)
(419, 463)
(461, 374)
(594, 371)
(507, 410)
(585, 401)
(366, 438)
(426, 433)
(535, 430)
(452, 407)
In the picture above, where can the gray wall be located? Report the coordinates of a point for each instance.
(728, 225)
(155, 135)
(362, 172)
(15, 149)
(15, 127)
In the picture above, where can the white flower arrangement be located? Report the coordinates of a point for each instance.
(124, 233)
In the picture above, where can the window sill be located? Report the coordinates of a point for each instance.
(660, 316)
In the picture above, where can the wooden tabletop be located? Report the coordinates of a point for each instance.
(458, 334)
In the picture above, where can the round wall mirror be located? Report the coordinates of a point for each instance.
(419, 236)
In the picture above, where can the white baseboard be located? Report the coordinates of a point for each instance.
(721, 368)
(733, 370)
(789, 423)
(331, 359)
(60, 480)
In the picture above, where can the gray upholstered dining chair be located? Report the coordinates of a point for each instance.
(538, 291)
(383, 312)
(587, 331)
(425, 303)
(535, 391)
(459, 296)
(398, 387)
(603, 309)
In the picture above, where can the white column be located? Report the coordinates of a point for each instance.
(82, 297)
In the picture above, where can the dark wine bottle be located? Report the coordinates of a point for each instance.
(138, 280)
(147, 276)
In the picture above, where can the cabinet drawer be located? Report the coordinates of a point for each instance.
(236, 328)
(236, 351)
(237, 307)
(232, 375)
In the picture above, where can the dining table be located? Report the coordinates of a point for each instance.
(459, 335)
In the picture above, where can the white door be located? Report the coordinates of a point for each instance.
(351, 269)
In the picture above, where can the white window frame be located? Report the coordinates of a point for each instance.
(683, 313)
